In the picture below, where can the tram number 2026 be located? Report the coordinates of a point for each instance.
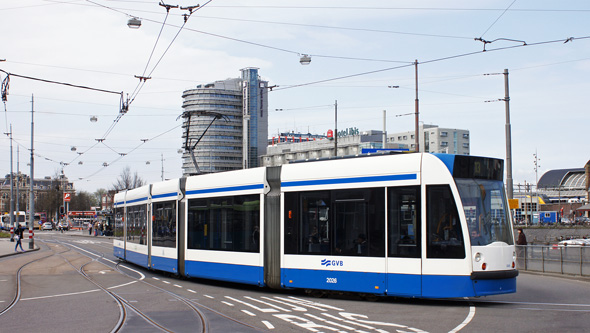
(331, 280)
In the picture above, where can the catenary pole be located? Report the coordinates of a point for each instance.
(509, 181)
(31, 183)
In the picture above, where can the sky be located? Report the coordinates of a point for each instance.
(358, 49)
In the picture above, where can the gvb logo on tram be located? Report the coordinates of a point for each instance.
(328, 262)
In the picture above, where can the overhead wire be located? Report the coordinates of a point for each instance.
(427, 62)
(386, 69)
(498, 18)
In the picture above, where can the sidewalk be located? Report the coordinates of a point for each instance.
(7, 247)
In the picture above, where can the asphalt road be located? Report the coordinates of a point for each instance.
(55, 296)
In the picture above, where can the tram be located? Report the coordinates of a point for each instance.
(411, 225)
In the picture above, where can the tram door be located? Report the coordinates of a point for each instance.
(444, 265)
(404, 263)
(358, 231)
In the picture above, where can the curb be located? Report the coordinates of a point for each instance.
(15, 253)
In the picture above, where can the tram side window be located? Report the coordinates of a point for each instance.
(404, 221)
(225, 224)
(136, 224)
(119, 231)
(444, 236)
(342, 222)
(315, 223)
(164, 224)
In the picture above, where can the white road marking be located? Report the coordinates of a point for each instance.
(535, 303)
(295, 307)
(265, 303)
(330, 322)
(112, 262)
(192, 291)
(155, 278)
(310, 304)
(553, 310)
(122, 285)
(268, 325)
(60, 295)
(466, 321)
(166, 282)
(248, 313)
(209, 296)
(267, 310)
(227, 303)
(177, 286)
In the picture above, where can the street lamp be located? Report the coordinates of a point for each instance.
(134, 23)
(305, 59)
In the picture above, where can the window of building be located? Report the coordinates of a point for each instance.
(444, 144)
(444, 134)
(465, 145)
(405, 137)
(465, 135)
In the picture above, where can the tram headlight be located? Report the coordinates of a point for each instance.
(477, 257)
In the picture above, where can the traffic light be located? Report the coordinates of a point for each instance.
(61, 210)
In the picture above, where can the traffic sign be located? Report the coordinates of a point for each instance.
(67, 197)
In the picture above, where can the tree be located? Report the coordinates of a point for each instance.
(50, 200)
(98, 195)
(82, 201)
(126, 181)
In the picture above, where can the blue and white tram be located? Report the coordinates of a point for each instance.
(412, 225)
(223, 214)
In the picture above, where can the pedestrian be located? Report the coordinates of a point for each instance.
(521, 237)
(90, 228)
(521, 249)
(18, 235)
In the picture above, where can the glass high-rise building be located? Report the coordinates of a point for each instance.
(226, 124)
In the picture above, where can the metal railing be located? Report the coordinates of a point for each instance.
(570, 260)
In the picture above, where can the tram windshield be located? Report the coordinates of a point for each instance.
(486, 211)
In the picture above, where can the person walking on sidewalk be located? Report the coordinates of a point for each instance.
(18, 235)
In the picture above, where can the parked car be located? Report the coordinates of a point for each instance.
(572, 243)
(47, 226)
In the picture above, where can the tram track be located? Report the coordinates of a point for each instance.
(124, 304)
(17, 287)
(188, 302)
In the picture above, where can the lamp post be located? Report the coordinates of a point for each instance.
(31, 184)
(417, 112)
(11, 190)
(335, 128)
